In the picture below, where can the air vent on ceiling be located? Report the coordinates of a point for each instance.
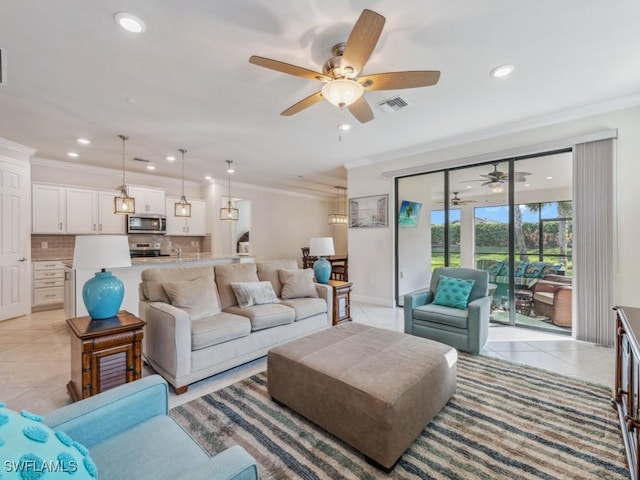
(3, 67)
(393, 104)
(142, 160)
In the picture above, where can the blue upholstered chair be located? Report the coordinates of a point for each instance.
(465, 329)
(130, 435)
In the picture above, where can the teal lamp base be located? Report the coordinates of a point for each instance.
(103, 295)
(322, 270)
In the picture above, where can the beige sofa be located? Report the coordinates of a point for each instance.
(201, 320)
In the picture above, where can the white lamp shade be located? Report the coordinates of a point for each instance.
(321, 247)
(95, 252)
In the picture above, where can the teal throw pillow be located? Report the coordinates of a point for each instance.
(453, 292)
(29, 449)
(519, 269)
(534, 269)
(494, 267)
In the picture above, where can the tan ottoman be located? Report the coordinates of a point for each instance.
(373, 388)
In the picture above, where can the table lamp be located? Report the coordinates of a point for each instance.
(321, 247)
(102, 294)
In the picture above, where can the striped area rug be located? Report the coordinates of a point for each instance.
(506, 421)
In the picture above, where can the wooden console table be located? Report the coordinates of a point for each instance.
(104, 353)
(627, 383)
(341, 301)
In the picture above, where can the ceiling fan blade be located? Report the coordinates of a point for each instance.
(283, 67)
(302, 104)
(399, 80)
(361, 110)
(362, 40)
(469, 181)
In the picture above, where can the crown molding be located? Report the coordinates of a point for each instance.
(16, 147)
(610, 105)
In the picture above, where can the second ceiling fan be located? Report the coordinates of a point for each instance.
(344, 84)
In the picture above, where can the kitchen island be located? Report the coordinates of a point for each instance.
(130, 276)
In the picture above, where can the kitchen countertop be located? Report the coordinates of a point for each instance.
(189, 257)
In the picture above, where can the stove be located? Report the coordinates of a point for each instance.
(137, 250)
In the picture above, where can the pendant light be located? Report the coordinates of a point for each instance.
(339, 218)
(229, 213)
(123, 203)
(182, 208)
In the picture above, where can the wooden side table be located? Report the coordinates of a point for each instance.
(104, 353)
(341, 301)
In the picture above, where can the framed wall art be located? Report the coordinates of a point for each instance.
(409, 214)
(369, 212)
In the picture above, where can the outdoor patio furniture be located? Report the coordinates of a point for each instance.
(552, 297)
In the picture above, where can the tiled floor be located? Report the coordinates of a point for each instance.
(35, 357)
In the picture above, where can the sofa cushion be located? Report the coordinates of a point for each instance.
(453, 292)
(234, 272)
(268, 271)
(265, 316)
(254, 293)
(297, 284)
(306, 307)
(217, 329)
(543, 297)
(432, 313)
(153, 278)
(196, 296)
(519, 269)
(494, 267)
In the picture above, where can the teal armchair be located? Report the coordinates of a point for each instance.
(467, 329)
(130, 435)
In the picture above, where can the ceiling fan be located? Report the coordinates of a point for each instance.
(496, 178)
(457, 201)
(344, 84)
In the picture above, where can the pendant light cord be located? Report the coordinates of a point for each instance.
(183, 151)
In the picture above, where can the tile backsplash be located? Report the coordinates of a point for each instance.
(60, 247)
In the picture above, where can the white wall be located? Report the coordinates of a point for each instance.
(281, 222)
(371, 253)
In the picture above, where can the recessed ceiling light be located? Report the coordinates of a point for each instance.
(549, 178)
(130, 23)
(469, 186)
(344, 127)
(208, 177)
(151, 167)
(502, 71)
(171, 159)
(527, 185)
(84, 141)
(73, 154)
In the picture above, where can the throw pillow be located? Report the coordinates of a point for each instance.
(30, 449)
(198, 296)
(254, 293)
(494, 267)
(297, 283)
(534, 269)
(453, 292)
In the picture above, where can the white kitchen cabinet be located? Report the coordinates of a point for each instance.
(92, 211)
(110, 222)
(195, 225)
(148, 200)
(82, 215)
(49, 203)
(48, 284)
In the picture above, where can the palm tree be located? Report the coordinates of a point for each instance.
(564, 212)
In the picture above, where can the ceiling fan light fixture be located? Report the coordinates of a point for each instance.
(342, 92)
(496, 187)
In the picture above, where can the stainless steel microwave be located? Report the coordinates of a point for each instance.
(147, 223)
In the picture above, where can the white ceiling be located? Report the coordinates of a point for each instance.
(187, 83)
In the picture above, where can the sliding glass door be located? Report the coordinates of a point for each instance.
(511, 218)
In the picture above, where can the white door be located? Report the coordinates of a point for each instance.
(15, 239)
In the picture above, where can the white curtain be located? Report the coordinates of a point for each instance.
(593, 241)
